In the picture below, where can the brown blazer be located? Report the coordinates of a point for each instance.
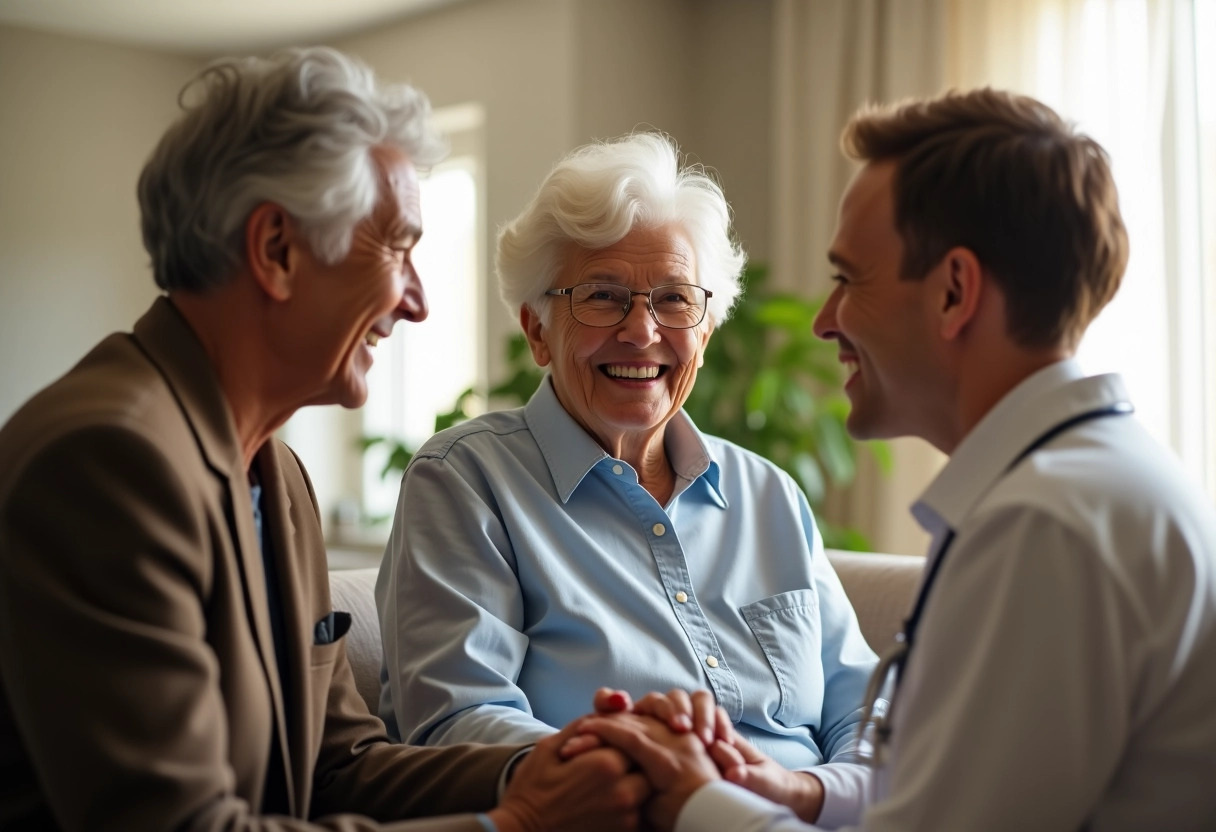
(136, 655)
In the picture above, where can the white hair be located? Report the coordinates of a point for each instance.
(599, 193)
(296, 129)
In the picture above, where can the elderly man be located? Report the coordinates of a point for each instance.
(168, 652)
(1056, 671)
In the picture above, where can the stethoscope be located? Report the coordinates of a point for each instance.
(895, 659)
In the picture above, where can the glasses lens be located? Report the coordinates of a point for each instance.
(679, 306)
(599, 304)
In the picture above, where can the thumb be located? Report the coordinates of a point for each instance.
(610, 701)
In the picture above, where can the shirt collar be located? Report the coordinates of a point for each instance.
(571, 453)
(1041, 401)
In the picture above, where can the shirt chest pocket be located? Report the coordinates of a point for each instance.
(787, 629)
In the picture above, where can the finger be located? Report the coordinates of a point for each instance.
(631, 739)
(726, 756)
(683, 719)
(636, 788)
(661, 707)
(749, 752)
(610, 701)
(578, 745)
(553, 743)
(607, 763)
(724, 729)
(704, 720)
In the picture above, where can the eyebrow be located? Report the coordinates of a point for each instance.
(407, 235)
(841, 262)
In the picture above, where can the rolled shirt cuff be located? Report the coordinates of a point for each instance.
(846, 790)
(722, 805)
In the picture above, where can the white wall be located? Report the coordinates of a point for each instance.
(78, 119)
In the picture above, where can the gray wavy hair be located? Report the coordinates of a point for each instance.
(599, 193)
(295, 129)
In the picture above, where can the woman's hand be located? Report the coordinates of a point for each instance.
(681, 712)
(741, 763)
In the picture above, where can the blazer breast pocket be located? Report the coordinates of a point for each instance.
(330, 628)
(787, 628)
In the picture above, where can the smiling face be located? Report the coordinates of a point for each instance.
(622, 383)
(884, 324)
(344, 309)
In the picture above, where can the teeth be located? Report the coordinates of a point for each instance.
(621, 371)
(372, 339)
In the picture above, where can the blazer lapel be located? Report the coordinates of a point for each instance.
(169, 342)
(297, 618)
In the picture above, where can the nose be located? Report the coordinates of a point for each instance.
(639, 326)
(824, 325)
(412, 306)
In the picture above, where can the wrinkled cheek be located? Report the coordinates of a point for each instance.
(685, 377)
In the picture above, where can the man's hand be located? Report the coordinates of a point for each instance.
(741, 763)
(596, 791)
(676, 764)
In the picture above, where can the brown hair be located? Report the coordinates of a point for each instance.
(1004, 176)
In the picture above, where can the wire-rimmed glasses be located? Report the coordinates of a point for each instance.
(675, 305)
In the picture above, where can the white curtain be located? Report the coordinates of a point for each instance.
(830, 57)
(1127, 72)
(1138, 75)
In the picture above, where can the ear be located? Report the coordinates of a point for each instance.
(709, 330)
(534, 330)
(962, 285)
(271, 239)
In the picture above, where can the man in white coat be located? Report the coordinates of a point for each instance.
(1058, 670)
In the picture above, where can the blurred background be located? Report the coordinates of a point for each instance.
(757, 90)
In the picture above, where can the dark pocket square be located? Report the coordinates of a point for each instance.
(331, 628)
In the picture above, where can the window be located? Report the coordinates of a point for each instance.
(430, 363)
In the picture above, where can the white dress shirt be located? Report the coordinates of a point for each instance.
(1064, 673)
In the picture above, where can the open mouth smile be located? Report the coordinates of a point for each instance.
(630, 372)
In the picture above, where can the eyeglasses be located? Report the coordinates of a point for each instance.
(675, 306)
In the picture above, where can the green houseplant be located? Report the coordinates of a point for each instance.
(768, 384)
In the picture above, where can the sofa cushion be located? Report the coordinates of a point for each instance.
(353, 590)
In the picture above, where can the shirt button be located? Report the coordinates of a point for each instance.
(618, 470)
(682, 596)
(712, 661)
(659, 530)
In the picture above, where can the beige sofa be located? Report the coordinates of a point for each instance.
(881, 588)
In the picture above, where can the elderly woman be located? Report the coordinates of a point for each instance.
(595, 537)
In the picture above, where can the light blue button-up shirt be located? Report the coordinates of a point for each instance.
(526, 568)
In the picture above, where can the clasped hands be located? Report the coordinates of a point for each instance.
(681, 741)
